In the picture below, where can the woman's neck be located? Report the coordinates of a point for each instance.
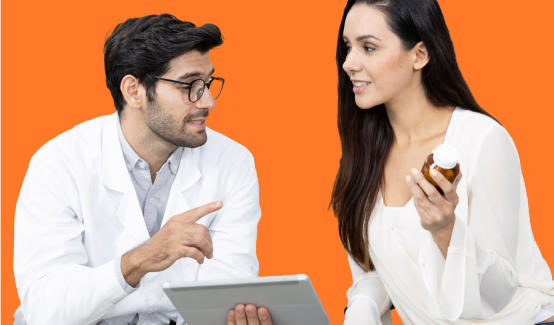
(413, 118)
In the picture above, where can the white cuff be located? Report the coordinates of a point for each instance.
(362, 310)
(452, 284)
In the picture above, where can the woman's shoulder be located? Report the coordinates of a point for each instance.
(477, 122)
(477, 126)
(476, 132)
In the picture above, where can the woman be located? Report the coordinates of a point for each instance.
(454, 259)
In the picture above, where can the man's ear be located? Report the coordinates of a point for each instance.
(421, 56)
(130, 90)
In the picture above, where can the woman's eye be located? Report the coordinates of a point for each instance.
(368, 48)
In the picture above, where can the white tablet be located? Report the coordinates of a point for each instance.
(290, 299)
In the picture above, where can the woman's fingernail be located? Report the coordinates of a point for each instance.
(433, 172)
(408, 179)
(414, 171)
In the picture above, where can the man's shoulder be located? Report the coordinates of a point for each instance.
(82, 140)
(221, 143)
(222, 149)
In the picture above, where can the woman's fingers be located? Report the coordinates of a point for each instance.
(428, 188)
(448, 188)
(418, 194)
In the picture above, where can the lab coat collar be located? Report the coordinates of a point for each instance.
(115, 174)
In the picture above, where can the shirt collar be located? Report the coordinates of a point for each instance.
(175, 159)
(132, 158)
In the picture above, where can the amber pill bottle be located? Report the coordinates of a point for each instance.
(444, 160)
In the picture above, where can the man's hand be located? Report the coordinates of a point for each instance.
(249, 315)
(179, 237)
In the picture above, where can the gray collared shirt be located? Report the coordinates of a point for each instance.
(152, 197)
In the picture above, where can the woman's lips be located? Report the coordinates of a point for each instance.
(359, 88)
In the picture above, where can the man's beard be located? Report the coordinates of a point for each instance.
(166, 128)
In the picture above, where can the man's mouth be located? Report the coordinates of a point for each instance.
(198, 123)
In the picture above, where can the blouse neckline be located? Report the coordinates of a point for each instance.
(447, 138)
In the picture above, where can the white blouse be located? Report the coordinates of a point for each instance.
(494, 270)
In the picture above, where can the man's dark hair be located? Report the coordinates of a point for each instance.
(143, 48)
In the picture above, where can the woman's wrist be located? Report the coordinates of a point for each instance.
(442, 236)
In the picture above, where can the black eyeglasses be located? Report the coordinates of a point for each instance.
(196, 87)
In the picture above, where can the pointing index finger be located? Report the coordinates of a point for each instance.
(195, 214)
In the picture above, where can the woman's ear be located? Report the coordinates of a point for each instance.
(130, 90)
(421, 56)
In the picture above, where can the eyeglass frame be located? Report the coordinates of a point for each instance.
(208, 84)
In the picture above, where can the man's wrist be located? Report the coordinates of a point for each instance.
(132, 267)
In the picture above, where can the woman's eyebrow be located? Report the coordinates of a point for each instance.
(361, 38)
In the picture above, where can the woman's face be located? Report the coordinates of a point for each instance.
(380, 69)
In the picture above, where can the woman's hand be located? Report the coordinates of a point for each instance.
(436, 211)
(248, 315)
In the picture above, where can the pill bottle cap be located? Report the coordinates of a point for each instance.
(446, 156)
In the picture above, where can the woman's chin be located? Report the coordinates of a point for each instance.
(366, 104)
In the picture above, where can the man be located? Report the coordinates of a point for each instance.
(111, 209)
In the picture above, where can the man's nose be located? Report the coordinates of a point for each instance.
(206, 101)
(352, 63)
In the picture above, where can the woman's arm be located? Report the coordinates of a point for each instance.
(478, 276)
(367, 298)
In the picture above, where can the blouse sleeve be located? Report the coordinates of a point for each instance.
(478, 277)
(367, 298)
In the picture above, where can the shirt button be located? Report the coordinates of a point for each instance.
(142, 164)
(151, 200)
(174, 168)
(129, 166)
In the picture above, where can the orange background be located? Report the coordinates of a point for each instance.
(279, 101)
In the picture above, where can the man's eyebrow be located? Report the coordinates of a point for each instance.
(193, 74)
(363, 37)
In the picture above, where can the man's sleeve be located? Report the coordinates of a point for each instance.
(234, 228)
(54, 284)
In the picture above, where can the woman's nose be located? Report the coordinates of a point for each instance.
(351, 64)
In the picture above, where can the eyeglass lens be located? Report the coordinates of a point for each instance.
(197, 89)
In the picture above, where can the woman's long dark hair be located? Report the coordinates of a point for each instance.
(366, 135)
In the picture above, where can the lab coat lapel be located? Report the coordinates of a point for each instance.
(187, 175)
(116, 177)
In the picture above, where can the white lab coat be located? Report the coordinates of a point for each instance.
(78, 211)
